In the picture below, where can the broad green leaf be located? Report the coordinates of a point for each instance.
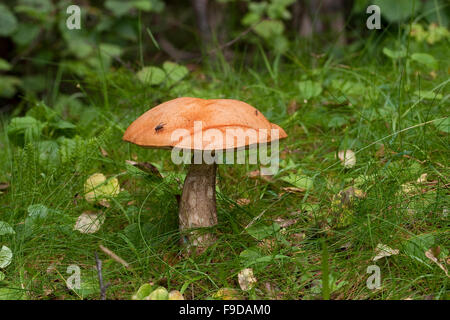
(426, 59)
(143, 292)
(398, 10)
(4, 65)
(394, 54)
(28, 127)
(299, 181)
(8, 86)
(118, 7)
(11, 293)
(2, 277)
(158, 294)
(26, 33)
(8, 22)
(5, 257)
(269, 28)
(174, 71)
(260, 232)
(97, 187)
(429, 95)
(309, 89)
(5, 228)
(151, 75)
(416, 246)
(443, 125)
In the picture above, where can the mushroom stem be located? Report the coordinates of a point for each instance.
(198, 204)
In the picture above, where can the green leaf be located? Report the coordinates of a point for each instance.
(2, 277)
(8, 86)
(5, 257)
(175, 72)
(4, 65)
(11, 293)
(429, 95)
(143, 292)
(260, 232)
(25, 34)
(5, 228)
(299, 181)
(309, 89)
(394, 55)
(416, 246)
(158, 294)
(8, 22)
(398, 10)
(269, 28)
(425, 59)
(443, 125)
(25, 129)
(151, 75)
(118, 7)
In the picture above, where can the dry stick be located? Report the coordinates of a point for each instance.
(115, 257)
(100, 278)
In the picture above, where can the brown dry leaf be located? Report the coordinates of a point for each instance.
(175, 295)
(284, 223)
(380, 152)
(246, 279)
(257, 174)
(383, 250)
(146, 167)
(293, 189)
(347, 157)
(430, 255)
(89, 222)
(4, 186)
(243, 202)
(422, 178)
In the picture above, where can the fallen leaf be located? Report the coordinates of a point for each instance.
(422, 178)
(284, 223)
(97, 188)
(430, 255)
(243, 202)
(89, 222)
(4, 185)
(158, 294)
(175, 295)
(347, 157)
(5, 257)
(246, 279)
(383, 250)
(293, 189)
(103, 152)
(227, 294)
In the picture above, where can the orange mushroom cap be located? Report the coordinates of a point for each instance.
(221, 124)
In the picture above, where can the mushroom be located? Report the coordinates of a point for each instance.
(207, 128)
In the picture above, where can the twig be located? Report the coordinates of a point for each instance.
(115, 257)
(100, 278)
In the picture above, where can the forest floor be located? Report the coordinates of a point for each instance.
(320, 227)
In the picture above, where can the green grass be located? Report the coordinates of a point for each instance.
(366, 102)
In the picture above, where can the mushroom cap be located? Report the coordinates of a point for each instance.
(194, 123)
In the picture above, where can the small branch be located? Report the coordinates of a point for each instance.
(100, 278)
(115, 257)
